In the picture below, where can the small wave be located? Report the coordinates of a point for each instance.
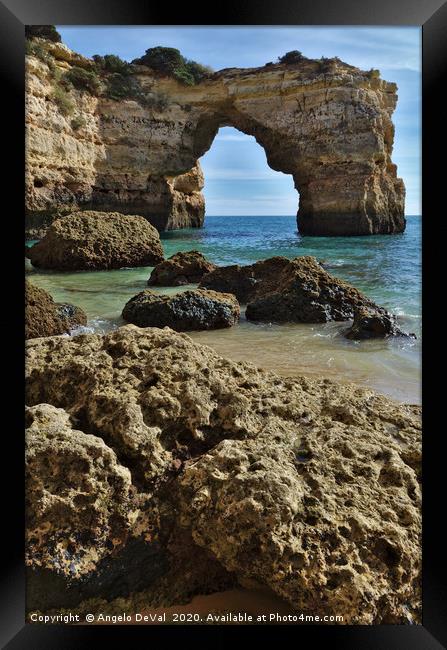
(81, 329)
(95, 326)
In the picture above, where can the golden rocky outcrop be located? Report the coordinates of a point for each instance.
(44, 317)
(92, 240)
(327, 124)
(309, 487)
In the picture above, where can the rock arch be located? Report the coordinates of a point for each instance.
(329, 127)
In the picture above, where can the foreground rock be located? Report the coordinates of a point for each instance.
(283, 290)
(97, 240)
(44, 317)
(184, 312)
(306, 486)
(182, 268)
(373, 324)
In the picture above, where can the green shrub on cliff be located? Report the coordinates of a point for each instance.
(78, 122)
(85, 80)
(168, 61)
(62, 100)
(122, 86)
(373, 73)
(118, 78)
(48, 32)
(111, 63)
(294, 56)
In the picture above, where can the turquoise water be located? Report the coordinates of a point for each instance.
(385, 267)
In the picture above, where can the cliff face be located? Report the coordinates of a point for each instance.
(328, 126)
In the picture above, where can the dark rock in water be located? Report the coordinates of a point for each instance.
(283, 290)
(44, 317)
(373, 324)
(70, 314)
(303, 292)
(97, 240)
(182, 268)
(245, 282)
(27, 251)
(183, 312)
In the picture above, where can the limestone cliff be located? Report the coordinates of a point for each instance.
(327, 124)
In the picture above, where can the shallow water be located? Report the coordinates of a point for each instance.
(386, 267)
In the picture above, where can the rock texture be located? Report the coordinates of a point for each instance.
(373, 324)
(245, 282)
(182, 268)
(183, 312)
(91, 515)
(97, 240)
(44, 317)
(328, 124)
(283, 290)
(307, 486)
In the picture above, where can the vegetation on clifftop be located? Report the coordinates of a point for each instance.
(119, 82)
(82, 79)
(49, 32)
(168, 61)
(294, 56)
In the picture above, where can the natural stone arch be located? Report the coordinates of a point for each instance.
(343, 190)
(328, 126)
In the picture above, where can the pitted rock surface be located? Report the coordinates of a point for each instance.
(307, 486)
(44, 317)
(182, 268)
(97, 240)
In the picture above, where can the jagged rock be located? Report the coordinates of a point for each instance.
(307, 486)
(181, 268)
(329, 126)
(74, 527)
(373, 324)
(304, 292)
(97, 240)
(184, 312)
(283, 290)
(83, 517)
(245, 281)
(44, 317)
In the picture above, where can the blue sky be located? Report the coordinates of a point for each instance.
(237, 178)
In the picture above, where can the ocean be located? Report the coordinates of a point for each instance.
(387, 268)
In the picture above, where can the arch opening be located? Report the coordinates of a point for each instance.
(239, 180)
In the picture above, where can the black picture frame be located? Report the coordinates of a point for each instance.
(432, 16)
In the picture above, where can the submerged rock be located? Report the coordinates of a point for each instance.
(44, 317)
(373, 324)
(184, 312)
(182, 268)
(97, 240)
(309, 487)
